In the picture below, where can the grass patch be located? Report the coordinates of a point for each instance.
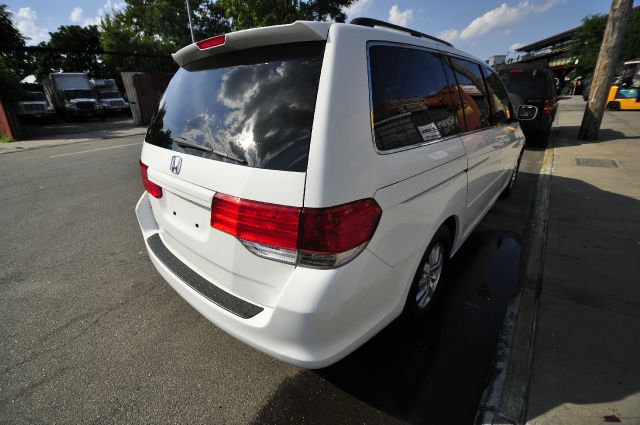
(5, 139)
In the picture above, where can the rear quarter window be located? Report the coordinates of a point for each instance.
(253, 107)
(410, 96)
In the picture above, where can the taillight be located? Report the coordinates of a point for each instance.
(311, 237)
(149, 186)
(549, 104)
(218, 40)
(268, 224)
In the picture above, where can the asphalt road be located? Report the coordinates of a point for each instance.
(90, 333)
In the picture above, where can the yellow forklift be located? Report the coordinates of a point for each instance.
(624, 95)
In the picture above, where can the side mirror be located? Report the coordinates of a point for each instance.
(527, 112)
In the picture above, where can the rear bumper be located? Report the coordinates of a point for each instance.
(320, 316)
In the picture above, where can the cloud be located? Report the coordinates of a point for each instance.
(26, 22)
(504, 15)
(77, 14)
(357, 8)
(400, 17)
(515, 46)
(449, 35)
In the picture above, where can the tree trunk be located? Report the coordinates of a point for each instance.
(607, 60)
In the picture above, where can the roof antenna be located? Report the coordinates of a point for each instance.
(193, 40)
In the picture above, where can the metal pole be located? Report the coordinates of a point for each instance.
(193, 39)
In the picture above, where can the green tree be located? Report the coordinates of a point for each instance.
(257, 13)
(156, 27)
(162, 26)
(14, 62)
(76, 50)
(589, 37)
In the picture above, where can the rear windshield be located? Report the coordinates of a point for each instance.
(526, 81)
(253, 107)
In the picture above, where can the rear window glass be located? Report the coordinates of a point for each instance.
(411, 97)
(252, 107)
(525, 81)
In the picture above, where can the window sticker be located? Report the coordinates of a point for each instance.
(429, 132)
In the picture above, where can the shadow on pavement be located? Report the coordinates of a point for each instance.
(74, 130)
(586, 350)
(433, 372)
(568, 136)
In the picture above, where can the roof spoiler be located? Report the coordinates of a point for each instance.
(298, 31)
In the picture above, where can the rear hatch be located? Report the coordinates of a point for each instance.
(529, 86)
(234, 123)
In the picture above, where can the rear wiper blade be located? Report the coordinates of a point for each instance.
(184, 142)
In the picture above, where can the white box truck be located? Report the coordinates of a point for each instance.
(72, 95)
(109, 96)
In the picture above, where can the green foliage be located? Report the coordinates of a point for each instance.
(80, 45)
(154, 28)
(5, 139)
(257, 13)
(162, 26)
(14, 64)
(157, 27)
(589, 37)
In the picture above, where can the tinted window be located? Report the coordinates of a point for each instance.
(526, 82)
(499, 98)
(455, 93)
(411, 97)
(474, 93)
(253, 107)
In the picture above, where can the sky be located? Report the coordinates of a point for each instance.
(480, 27)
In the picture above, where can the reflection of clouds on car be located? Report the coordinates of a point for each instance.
(257, 108)
(262, 100)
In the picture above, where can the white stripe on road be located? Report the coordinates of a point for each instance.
(99, 149)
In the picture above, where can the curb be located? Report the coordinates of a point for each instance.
(504, 400)
(64, 143)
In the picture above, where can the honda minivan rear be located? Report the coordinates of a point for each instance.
(270, 208)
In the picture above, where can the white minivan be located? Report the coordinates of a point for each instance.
(306, 184)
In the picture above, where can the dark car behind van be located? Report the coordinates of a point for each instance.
(532, 84)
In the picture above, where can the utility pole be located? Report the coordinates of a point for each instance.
(607, 60)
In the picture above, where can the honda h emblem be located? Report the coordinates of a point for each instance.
(176, 164)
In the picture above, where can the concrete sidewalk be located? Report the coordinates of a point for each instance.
(586, 356)
(66, 139)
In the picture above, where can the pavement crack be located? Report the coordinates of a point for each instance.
(82, 331)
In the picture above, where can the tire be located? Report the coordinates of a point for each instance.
(512, 180)
(613, 106)
(425, 287)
